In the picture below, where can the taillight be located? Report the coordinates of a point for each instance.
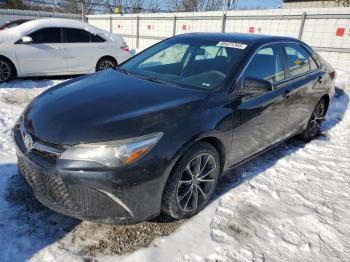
(125, 48)
(333, 75)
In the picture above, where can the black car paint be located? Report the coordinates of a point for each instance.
(111, 105)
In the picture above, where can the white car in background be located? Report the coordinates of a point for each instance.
(58, 47)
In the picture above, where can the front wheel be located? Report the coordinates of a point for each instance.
(192, 181)
(7, 70)
(313, 128)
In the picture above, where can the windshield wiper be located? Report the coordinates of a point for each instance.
(123, 70)
(147, 78)
(160, 81)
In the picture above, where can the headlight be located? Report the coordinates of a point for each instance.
(115, 153)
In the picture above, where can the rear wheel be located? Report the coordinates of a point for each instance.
(105, 63)
(7, 70)
(192, 182)
(313, 128)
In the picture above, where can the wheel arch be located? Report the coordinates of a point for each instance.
(219, 146)
(107, 57)
(326, 99)
(210, 139)
(12, 63)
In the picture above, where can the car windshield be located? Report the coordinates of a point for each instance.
(194, 63)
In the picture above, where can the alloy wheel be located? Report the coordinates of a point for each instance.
(5, 71)
(106, 64)
(316, 119)
(196, 182)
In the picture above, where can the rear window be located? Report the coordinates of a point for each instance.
(73, 35)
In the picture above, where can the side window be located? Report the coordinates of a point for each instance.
(73, 35)
(210, 52)
(170, 55)
(298, 59)
(46, 36)
(266, 64)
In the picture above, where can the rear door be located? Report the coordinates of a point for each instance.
(305, 80)
(44, 55)
(263, 116)
(82, 55)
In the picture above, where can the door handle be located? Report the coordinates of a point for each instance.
(286, 93)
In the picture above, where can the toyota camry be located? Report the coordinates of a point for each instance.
(57, 46)
(157, 133)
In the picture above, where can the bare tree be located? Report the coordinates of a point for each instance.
(130, 6)
(78, 6)
(14, 4)
(195, 5)
(154, 6)
(125, 6)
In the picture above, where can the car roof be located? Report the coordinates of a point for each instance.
(56, 22)
(250, 39)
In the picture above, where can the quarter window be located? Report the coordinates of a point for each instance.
(97, 39)
(46, 36)
(298, 59)
(267, 64)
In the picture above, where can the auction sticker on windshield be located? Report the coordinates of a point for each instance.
(232, 45)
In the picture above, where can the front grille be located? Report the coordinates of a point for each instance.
(47, 185)
(46, 150)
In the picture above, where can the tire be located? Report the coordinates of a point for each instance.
(7, 70)
(313, 127)
(186, 185)
(105, 63)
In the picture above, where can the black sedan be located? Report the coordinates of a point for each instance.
(120, 146)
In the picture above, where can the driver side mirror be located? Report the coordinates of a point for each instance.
(26, 40)
(256, 86)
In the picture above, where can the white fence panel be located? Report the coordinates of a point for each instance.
(326, 29)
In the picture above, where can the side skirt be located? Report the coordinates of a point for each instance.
(262, 151)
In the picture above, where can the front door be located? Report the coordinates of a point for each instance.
(44, 55)
(262, 115)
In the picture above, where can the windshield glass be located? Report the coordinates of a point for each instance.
(188, 62)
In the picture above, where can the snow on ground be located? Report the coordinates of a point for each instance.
(290, 204)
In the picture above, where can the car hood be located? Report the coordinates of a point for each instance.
(107, 106)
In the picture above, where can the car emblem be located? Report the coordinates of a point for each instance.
(28, 141)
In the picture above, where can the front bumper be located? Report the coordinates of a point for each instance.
(119, 196)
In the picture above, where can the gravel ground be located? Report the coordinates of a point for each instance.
(87, 239)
